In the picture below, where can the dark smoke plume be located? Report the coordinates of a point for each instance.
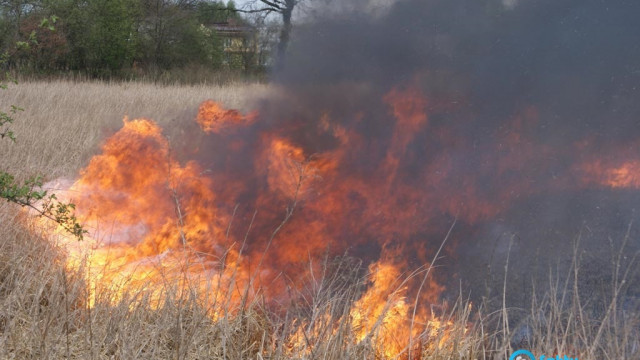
(518, 97)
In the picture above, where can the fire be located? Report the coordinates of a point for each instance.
(278, 197)
(619, 176)
(393, 310)
(383, 312)
(285, 167)
(386, 316)
(150, 218)
(147, 197)
(154, 220)
(213, 118)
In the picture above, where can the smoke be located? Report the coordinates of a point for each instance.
(573, 57)
(337, 9)
(521, 94)
(517, 120)
(509, 4)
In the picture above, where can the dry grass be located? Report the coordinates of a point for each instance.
(63, 122)
(43, 307)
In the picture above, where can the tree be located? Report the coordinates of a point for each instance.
(111, 34)
(12, 13)
(16, 10)
(48, 48)
(106, 38)
(216, 12)
(264, 40)
(172, 36)
(285, 9)
(101, 36)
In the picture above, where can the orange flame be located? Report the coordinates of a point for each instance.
(153, 218)
(617, 176)
(213, 118)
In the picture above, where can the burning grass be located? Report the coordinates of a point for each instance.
(45, 313)
(172, 295)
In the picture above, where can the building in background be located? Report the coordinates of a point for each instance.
(239, 44)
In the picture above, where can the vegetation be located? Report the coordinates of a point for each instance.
(285, 8)
(126, 38)
(44, 314)
(29, 193)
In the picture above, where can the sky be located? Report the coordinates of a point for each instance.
(334, 7)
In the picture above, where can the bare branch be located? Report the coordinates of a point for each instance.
(274, 3)
(253, 11)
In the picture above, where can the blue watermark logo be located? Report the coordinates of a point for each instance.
(527, 355)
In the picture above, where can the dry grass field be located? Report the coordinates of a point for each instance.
(64, 122)
(45, 312)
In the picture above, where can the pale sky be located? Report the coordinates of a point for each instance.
(335, 7)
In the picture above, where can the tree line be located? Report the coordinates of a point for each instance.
(102, 38)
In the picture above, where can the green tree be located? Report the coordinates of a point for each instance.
(111, 37)
(14, 11)
(216, 12)
(101, 36)
(105, 37)
(44, 48)
(172, 36)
